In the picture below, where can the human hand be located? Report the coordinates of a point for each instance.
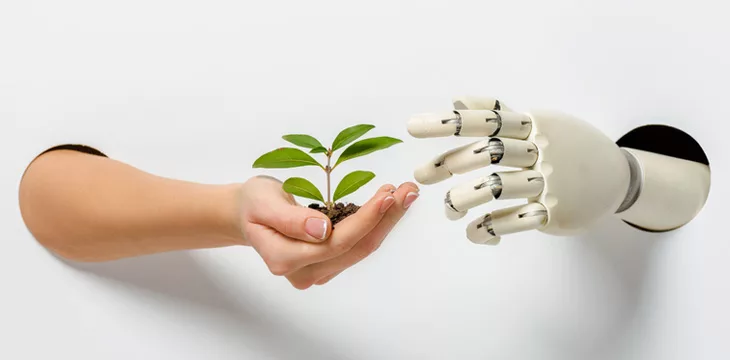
(299, 243)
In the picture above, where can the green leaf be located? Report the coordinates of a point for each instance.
(351, 182)
(364, 147)
(302, 187)
(285, 158)
(349, 135)
(318, 149)
(302, 140)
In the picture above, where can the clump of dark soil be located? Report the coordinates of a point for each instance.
(338, 213)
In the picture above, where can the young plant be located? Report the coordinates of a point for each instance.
(288, 157)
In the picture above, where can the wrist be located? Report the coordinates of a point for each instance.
(228, 213)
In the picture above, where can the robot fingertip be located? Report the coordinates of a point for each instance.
(452, 214)
(430, 174)
(432, 125)
(422, 177)
(485, 240)
(493, 242)
(421, 126)
(481, 235)
(418, 126)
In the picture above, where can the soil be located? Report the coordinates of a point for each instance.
(338, 213)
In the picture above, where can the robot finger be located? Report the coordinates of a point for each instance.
(522, 184)
(489, 228)
(471, 123)
(502, 151)
(435, 171)
(478, 103)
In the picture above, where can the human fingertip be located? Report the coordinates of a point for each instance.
(387, 188)
(410, 198)
(410, 185)
(316, 228)
(386, 204)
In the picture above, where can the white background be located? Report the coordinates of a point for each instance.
(198, 89)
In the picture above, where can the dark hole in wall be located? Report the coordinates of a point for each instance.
(75, 147)
(664, 140)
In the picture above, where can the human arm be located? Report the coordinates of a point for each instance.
(92, 208)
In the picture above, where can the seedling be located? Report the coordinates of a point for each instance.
(288, 157)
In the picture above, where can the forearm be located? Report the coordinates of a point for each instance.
(91, 208)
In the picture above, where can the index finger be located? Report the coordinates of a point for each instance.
(480, 154)
(471, 123)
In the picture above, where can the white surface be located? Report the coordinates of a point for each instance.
(197, 90)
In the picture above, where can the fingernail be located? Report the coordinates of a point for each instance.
(410, 198)
(387, 203)
(316, 227)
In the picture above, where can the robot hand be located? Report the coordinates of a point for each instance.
(570, 174)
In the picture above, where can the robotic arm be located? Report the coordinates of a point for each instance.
(569, 173)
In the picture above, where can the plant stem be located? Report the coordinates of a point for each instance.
(328, 170)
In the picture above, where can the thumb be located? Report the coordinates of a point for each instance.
(296, 221)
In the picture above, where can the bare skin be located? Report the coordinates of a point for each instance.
(90, 208)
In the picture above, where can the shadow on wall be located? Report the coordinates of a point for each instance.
(181, 277)
(624, 251)
(625, 254)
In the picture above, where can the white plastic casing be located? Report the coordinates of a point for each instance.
(475, 122)
(467, 196)
(432, 174)
(452, 214)
(506, 221)
(517, 153)
(494, 123)
(430, 125)
(429, 174)
(578, 160)
(514, 185)
(521, 184)
(514, 125)
(673, 191)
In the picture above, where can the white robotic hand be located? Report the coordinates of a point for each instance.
(570, 174)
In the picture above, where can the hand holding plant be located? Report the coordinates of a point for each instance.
(299, 242)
